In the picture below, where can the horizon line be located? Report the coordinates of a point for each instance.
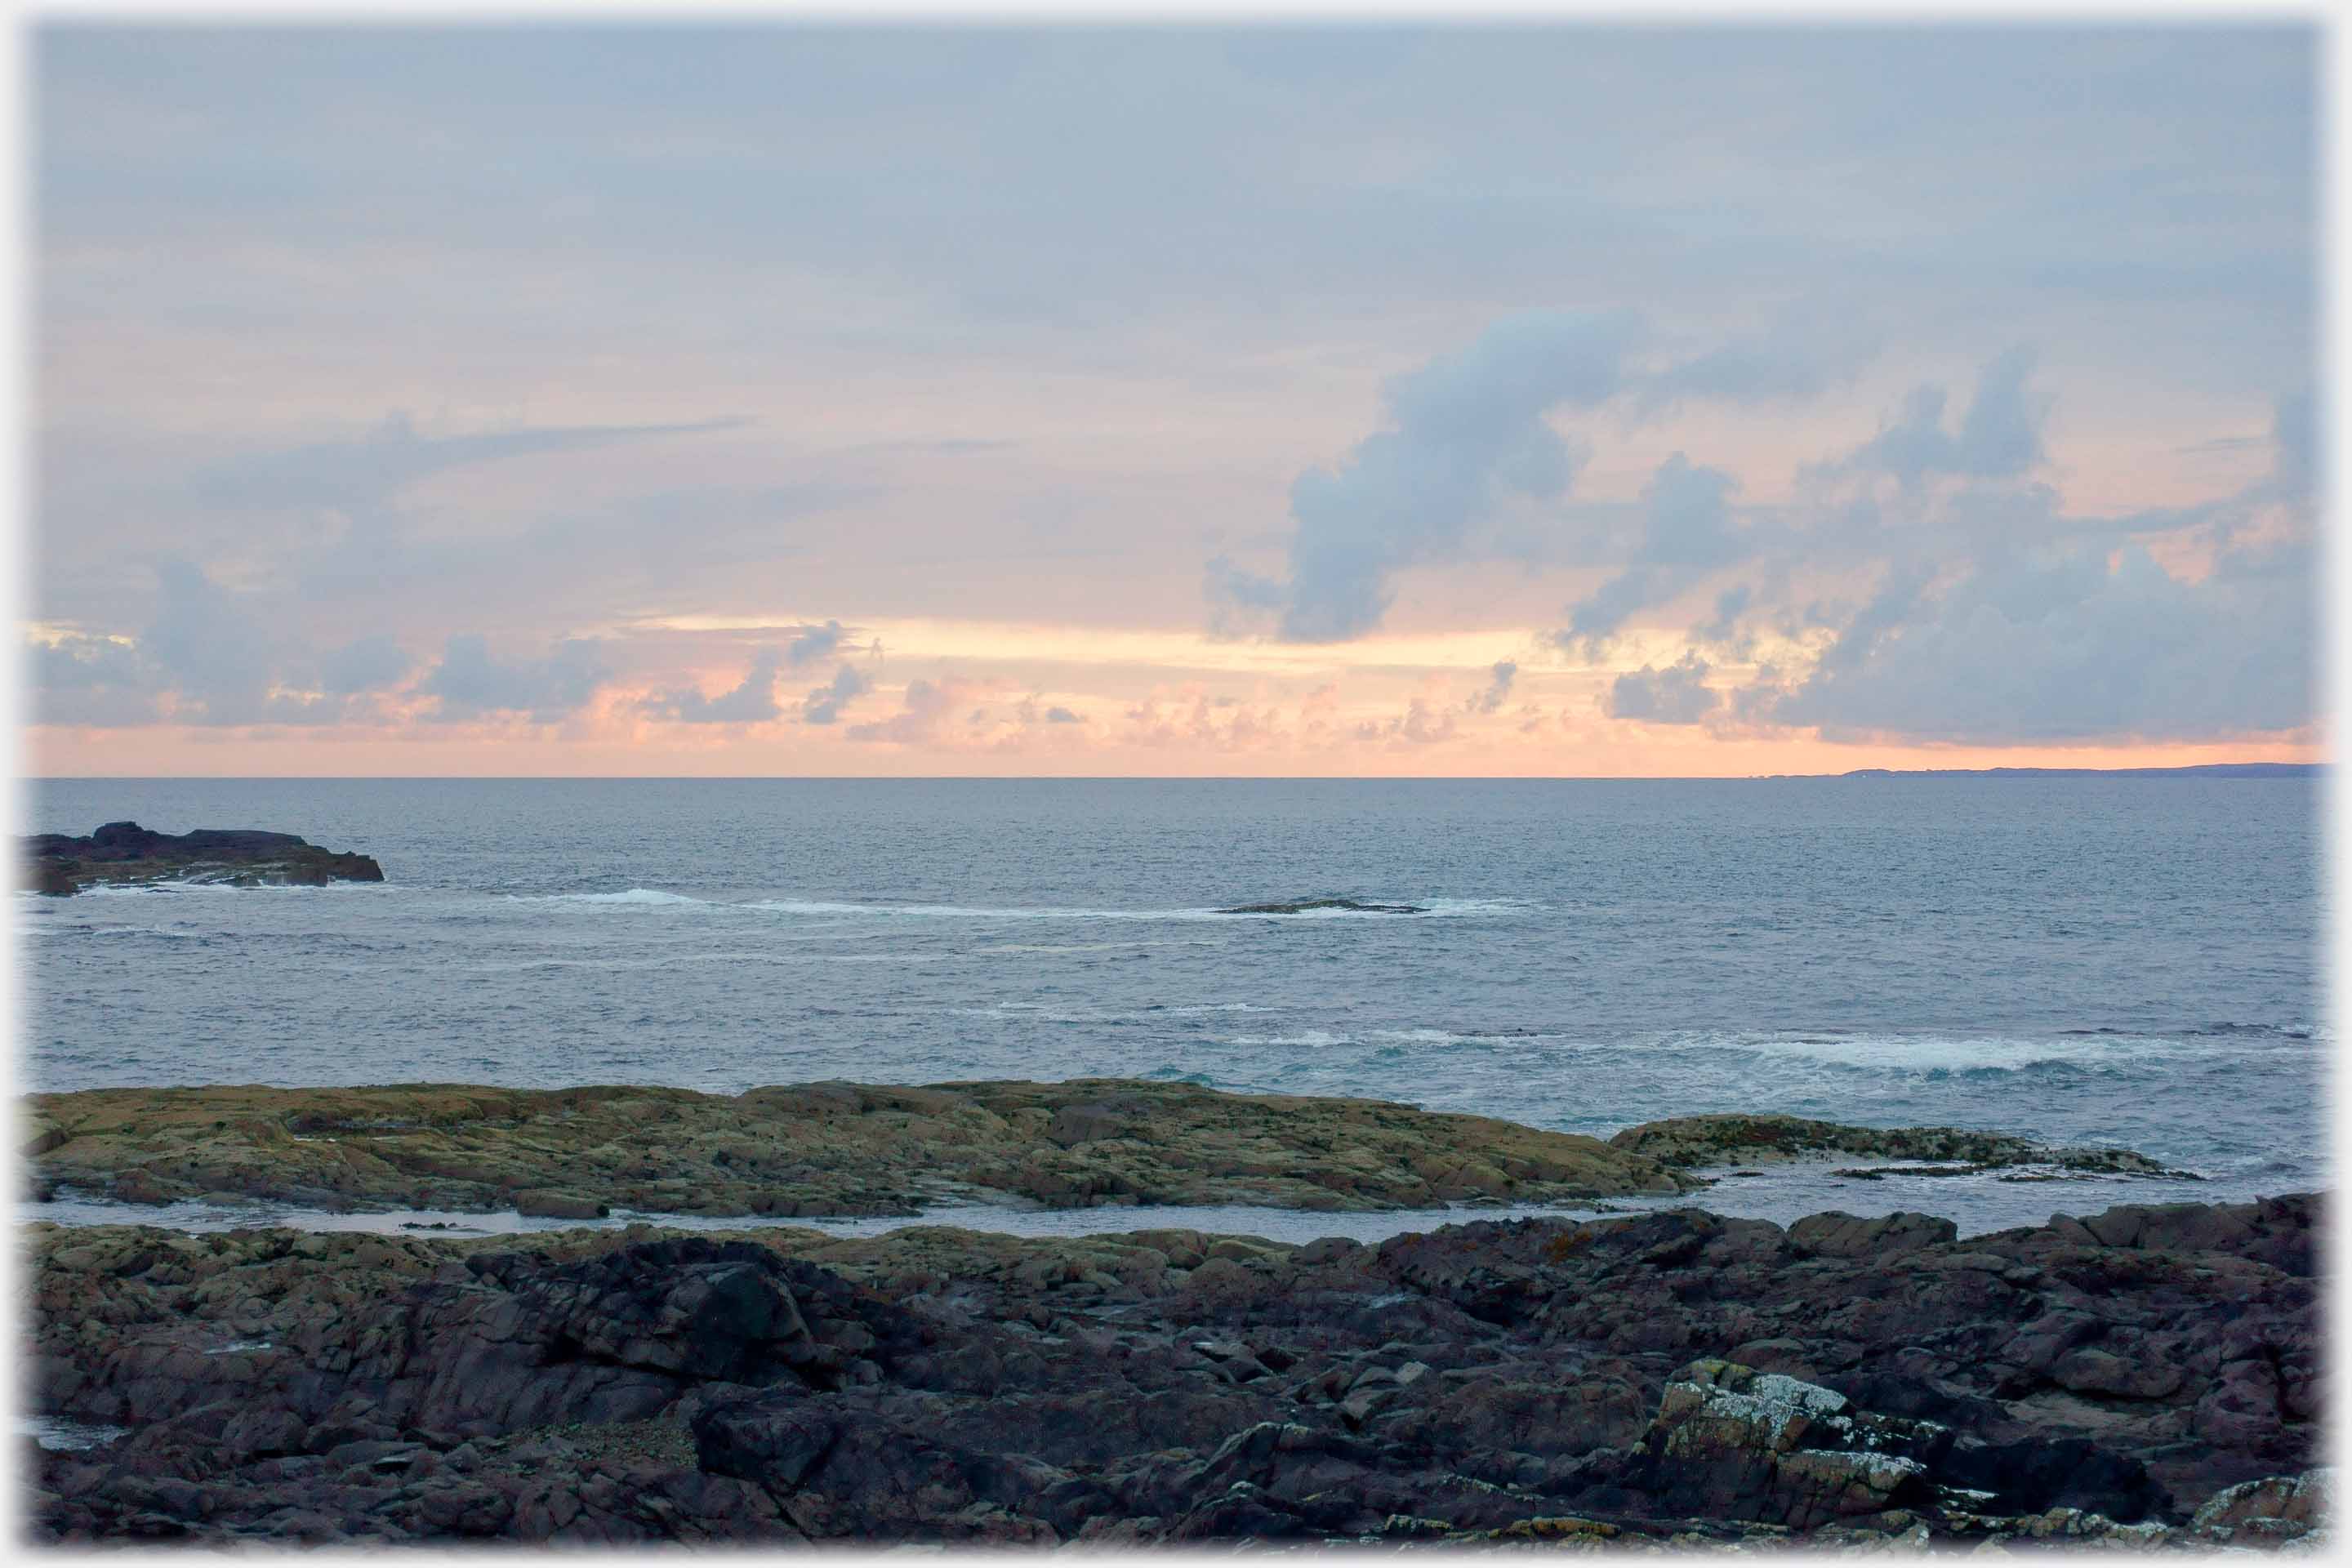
(2015, 769)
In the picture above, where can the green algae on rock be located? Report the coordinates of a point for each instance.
(807, 1150)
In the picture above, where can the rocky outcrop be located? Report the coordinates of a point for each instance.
(124, 853)
(1694, 1142)
(1304, 906)
(805, 1149)
(1671, 1378)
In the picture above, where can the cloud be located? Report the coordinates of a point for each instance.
(1687, 532)
(2062, 645)
(1064, 716)
(1468, 446)
(213, 651)
(824, 704)
(1803, 354)
(1498, 688)
(1240, 602)
(1420, 724)
(1998, 437)
(751, 702)
(1678, 694)
(816, 643)
(369, 663)
(927, 713)
(80, 680)
(470, 683)
(1466, 436)
(367, 472)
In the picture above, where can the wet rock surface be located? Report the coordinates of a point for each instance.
(122, 853)
(2147, 1376)
(806, 1150)
(1689, 1142)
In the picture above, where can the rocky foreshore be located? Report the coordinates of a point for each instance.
(125, 853)
(2145, 1377)
(806, 1150)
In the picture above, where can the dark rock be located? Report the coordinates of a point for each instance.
(1525, 1381)
(120, 852)
(1302, 906)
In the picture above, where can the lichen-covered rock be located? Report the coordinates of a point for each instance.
(2270, 1511)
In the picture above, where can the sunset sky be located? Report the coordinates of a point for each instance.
(1316, 401)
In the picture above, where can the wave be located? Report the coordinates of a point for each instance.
(163, 931)
(1993, 1055)
(632, 896)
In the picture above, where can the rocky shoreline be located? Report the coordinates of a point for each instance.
(2145, 1377)
(807, 1150)
(123, 854)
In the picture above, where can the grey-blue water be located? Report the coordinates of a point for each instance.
(2084, 960)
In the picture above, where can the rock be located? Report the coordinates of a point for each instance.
(1303, 906)
(1498, 1382)
(2268, 1511)
(124, 852)
(805, 1150)
(1844, 1235)
(1688, 1143)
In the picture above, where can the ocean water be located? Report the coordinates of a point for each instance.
(2131, 961)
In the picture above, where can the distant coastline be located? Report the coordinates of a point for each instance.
(2203, 770)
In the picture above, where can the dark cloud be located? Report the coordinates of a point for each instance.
(1678, 694)
(824, 704)
(754, 701)
(470, 683)
(1064, 716)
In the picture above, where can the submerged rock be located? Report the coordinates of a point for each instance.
(124, 853)
(1303, 905)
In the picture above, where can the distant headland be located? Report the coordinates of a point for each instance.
(2203, 770)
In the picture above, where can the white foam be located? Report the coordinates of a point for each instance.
(632, 896)
(1319, 1039)
(1974, 1053)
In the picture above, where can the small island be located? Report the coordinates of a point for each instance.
(125, 853)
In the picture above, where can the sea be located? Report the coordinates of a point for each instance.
(2132, 962)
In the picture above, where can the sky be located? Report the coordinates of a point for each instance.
(1561, 400)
